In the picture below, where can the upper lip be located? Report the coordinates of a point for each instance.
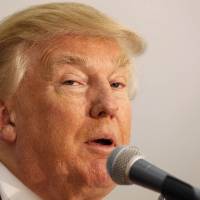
(106, 136)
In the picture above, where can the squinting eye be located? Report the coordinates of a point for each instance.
(117, 85)
(71, 82)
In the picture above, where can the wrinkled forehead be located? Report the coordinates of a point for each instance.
(81, 50)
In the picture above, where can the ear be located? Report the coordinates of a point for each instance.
(7, 124)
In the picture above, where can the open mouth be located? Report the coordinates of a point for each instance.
(103, 141)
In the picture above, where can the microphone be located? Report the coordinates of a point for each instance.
(126, 165)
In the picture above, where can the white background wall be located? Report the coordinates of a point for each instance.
(166, 112)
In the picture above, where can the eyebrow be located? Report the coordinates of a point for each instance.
(121, 61)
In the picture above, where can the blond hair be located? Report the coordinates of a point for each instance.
(36, 23)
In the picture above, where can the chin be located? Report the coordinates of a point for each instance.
(101, 181)
(100, 186)
(98, 177)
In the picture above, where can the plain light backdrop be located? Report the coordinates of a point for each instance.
(166, 111)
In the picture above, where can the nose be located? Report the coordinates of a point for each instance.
(104, 105)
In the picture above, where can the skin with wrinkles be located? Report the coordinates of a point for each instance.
(75, 89)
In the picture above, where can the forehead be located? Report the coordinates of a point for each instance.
(91, 50)
(83, 45)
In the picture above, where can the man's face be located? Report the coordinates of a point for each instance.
(70, 114)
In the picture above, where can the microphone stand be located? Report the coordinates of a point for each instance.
(175, 189)
(195, 197)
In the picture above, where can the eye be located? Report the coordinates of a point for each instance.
(71, 82)
(117, 85)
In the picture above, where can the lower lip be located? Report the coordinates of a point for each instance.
(99, 148)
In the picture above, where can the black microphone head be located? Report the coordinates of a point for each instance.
(120, 161)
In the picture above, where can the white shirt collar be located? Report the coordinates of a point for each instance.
(12, 188)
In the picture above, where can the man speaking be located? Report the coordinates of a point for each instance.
(66, 80)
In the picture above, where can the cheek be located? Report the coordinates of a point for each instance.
(62, 123)
(125, 121)
(51, 125)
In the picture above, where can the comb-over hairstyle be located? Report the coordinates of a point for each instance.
(25, 28)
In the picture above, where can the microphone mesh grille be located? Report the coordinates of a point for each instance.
(118, 162)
